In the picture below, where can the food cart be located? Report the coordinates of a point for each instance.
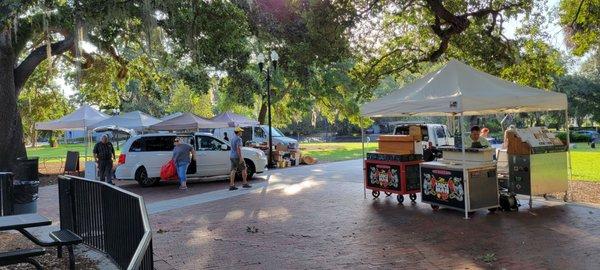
(444, 182)
(458, 90)
(537, 163)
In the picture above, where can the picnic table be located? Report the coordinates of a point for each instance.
(22, 222)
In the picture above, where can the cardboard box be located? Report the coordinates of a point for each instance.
(281, 147)
(397, 147)
(415, 132)
(395, 138)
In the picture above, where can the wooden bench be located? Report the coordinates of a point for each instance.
(22, 256)
(60, 239)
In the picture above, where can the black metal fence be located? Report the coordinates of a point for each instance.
(108, 218)
(6, 193)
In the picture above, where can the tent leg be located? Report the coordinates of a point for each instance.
(465, 173)
(362, 140)
(569, 172)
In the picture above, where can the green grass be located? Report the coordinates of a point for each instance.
(585, 163)
(329, 152)
(54, 154)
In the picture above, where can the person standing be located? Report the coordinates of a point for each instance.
(104, 154)
(182, 154)
(237, 160)
(225, 137)
(474, 140)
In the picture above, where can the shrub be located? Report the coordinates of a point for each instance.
(574, 137)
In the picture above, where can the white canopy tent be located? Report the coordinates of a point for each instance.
(187, 121)
(458, 89)
(80, 119)
(135, 120)
(234, 120)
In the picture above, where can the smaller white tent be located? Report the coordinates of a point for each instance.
(135, 120)
(187, 121)
(234, 120)
(458, 88)
(80, 119)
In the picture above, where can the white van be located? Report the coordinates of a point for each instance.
(143, 156)
(258, 134)
(437, 134)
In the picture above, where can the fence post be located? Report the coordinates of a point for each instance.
(6, 194)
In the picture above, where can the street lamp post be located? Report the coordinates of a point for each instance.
(261, 63)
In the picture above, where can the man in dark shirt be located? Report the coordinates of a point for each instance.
(104, 153)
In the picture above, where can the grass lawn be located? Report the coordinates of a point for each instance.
(585, 162)
(50, 154)
(335, 151)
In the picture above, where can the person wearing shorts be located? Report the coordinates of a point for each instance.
(237, 160)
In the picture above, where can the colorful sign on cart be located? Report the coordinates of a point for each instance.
(383, 176)
(443, 187)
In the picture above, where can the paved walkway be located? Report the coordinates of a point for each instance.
(316, 217)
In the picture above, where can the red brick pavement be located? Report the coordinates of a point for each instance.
(329, 225)
(316, 217)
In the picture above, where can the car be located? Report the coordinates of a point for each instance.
(143, 156)
(590, 133)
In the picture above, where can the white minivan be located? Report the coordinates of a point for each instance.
(143, 156)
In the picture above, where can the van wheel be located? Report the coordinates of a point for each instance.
(250, 170)
(141, 176)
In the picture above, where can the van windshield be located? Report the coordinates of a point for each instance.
(274, 131)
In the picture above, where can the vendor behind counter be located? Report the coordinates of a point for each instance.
(475, 140)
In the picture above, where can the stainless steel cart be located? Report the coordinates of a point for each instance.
(465, 187)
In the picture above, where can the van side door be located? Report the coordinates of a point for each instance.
(212, 158)
(157, 151)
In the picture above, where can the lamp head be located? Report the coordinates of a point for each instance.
(274, 59)
(261, 61)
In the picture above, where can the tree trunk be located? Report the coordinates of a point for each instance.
(11, 131)
(262, 114)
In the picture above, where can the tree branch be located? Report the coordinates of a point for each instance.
(26, 68)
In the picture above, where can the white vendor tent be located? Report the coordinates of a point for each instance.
(187, 121)
(80, 119)
(135, 120)
(457, 88)
(234, 120)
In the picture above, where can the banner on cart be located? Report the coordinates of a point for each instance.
(443, 187)
(383, 176)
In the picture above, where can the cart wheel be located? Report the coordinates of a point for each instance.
(413, 197)
(388, 193)
(400, 198)
(545, 196)
(435, 207)
(375, 193)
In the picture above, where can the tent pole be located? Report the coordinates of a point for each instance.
(362, 140)
(568, 149)
(464, 158)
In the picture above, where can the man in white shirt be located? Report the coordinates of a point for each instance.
(474, 140)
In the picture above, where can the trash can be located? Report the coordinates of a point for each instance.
(25, 186)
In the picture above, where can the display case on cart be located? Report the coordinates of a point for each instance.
(537, 163)
(393, 174)
(466, 187)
